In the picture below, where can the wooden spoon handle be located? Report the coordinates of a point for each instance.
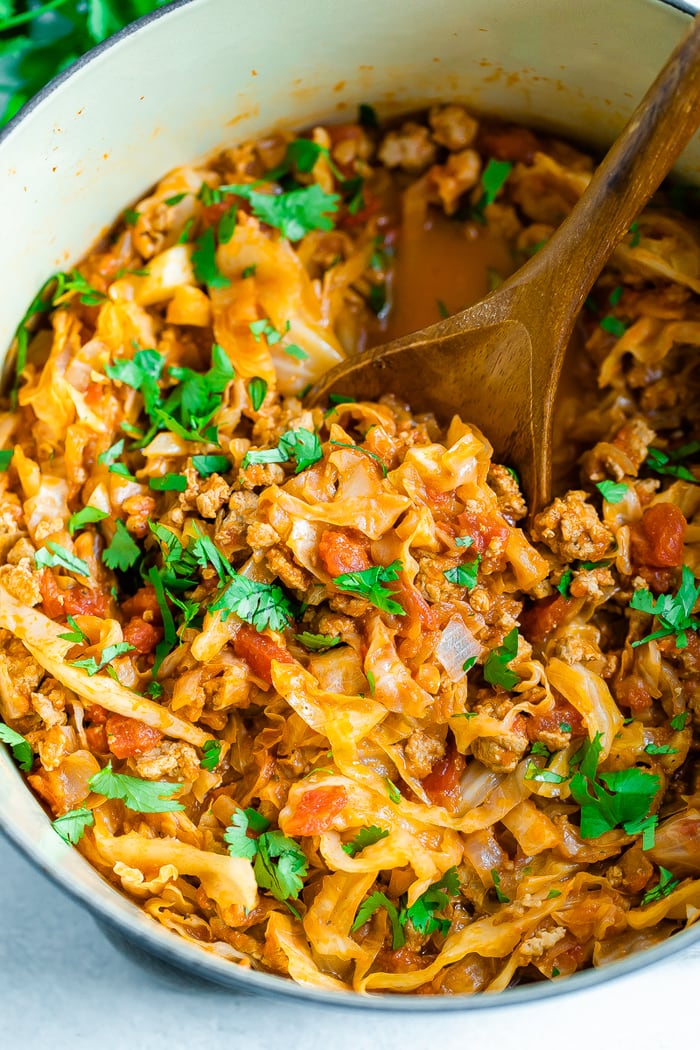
(661, 125)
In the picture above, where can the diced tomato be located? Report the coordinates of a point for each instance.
(143, 601)
(443, 504)
(344, 550)
(75, 601)
(562, 713)
(316, 811)
(143, 636)
(442, 783)
(130, 736)
(632, 693)
(417, 609)
(95, 714)
(657, 540)
(544, 616)
(68, 785)
(96, 737)
(94, 394)
(259, 651)
(508, 142)
(484, 530)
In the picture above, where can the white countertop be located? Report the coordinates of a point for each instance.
(63, 985)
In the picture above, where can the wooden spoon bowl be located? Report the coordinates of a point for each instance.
(497, 364)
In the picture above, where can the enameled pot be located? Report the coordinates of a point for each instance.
(202, 73)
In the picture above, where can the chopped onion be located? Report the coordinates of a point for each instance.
(457, 644)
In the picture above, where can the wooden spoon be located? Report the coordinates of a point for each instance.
(497, 364)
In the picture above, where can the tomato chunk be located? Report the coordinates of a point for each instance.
(74, 601)
(657, 540)
(509, 142)
(544, 616)
(259, 651)
(344, 550)
(632, 692)
(416, 607)
(143, 601)
(316, 811)
(562, 713)
(130, 736)
(442, 783)
(143, 636)
(485, 531)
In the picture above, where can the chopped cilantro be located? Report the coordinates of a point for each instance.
(669, 463)
(58, 557)
(613, 492)
(552, 894)
(422, 913)
(663, 888)
(678, 721)
(170, 482)
(142, 796)
(109, 653)
(122, 552)
(373, 903)
(500, 895)
(71, 826)
(131, 216)
(227, 225)
(175, 199)
(463, 541)
(493, 178)
(464, 575)
(616, 295)
(204, 261)
(6, 458)
(467, 666)
(660, 749)
(636, 235)
(257, 391)
(21, 748)
(369, 584)
(318, 643)
(279, 862)
(674, 612)
(392, 791)
(542, 776)
(295, 213)
(260, 604)
(442, 309)
(292, 350)
(496, 670)
(249, 271)
(84, 517)
(75, 635)
(208, 465)
(302, 445)
(613, 325)
(212, 754)
(365, 837)
(564, 584)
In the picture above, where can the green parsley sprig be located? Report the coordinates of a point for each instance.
(369, 584)
(142, 796)
(674, 612)
(279, 863)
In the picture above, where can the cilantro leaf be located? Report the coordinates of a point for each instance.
(86, 516)
(668, 463)
(621, 798)
(301, 444)
(664, 886)
(260, 604)
(368, 583)
(236, 838)
(122, 552)
(422, 912)
(142, 796)
(674, 612)
(6, 458)
(493, 178)
(678, 721)
(612, 491)
(367, 116)
(318, 642)
(367, 909)
(661, 749)
(208, 465)
(500, 895)
(21, 748)
(75, 635)
(542, 776)
(295, 213)
(71, 826)
(564, 584)
(257, 391)
(392, 791)
(365, 837)
(168, 483)
(204, 263)
(109, 653)
(464, 575)
(280, 865)
(496, 670)
(613, 325)
(212, 755)
(57, 556)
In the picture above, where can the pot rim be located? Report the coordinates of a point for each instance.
(189, 958)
